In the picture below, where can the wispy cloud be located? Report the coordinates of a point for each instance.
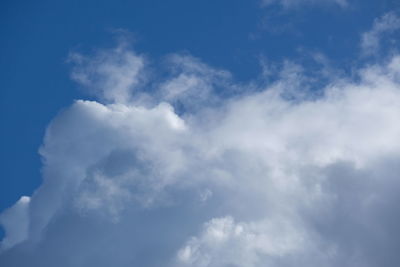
(111, 74)
(370, 41)
(297, 3)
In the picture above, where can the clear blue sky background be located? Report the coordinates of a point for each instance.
(36, 37)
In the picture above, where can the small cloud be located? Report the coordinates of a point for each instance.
(111, 75)
(287, 4)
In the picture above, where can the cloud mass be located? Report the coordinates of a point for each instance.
(173, 172)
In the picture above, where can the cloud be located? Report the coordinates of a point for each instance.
(296, 3)
(15, 221)
(371, 40)
(112, 74)
(198, 170)
(224, 242)
(192, 84)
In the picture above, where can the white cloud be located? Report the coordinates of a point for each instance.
(226, 243)
(15, 221)
(112, 74)
(261, 177)
(192, 83)
(370, 41)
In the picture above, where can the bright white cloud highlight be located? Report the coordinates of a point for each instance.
(226, 243)
(188, 176)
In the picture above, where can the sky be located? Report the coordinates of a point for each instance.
(200, 133)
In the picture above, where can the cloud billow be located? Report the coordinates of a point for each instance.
(254, 178)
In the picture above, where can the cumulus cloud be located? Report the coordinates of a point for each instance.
(188, 175)
(371, 40)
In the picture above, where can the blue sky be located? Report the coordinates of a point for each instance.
(56, 52)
